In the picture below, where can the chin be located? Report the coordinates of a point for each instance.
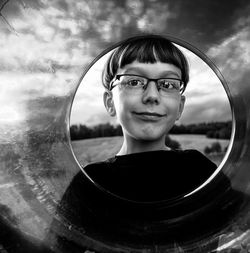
(150, 137)
(147, 133)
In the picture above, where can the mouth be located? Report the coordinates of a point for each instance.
(149, 115)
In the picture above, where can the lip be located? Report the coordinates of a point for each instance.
(149, 115)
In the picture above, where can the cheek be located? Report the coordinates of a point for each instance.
(172, 107)
(123, 103)
(121, 106)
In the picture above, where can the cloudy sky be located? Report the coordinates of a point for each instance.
(46, 45)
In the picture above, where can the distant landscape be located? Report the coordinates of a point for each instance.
(95, 143)
(218, 130)
(98, 149)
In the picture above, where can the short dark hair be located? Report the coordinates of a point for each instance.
(145, 49)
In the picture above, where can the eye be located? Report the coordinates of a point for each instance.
(169, 84)
(135, 82)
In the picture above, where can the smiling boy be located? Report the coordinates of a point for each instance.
(146, 113)
(144, 79)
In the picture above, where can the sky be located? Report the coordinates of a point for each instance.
(47, 45)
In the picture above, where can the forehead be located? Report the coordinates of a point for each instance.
(152, 70)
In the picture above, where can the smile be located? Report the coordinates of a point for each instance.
(149, 115)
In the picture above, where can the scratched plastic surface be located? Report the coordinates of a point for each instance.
(45, 48)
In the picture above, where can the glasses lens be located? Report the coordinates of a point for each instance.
(167, 85)
(133, 82)
(139, 83)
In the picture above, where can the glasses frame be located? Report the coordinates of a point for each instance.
(155, 80)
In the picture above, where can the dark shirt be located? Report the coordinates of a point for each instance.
(138, 200)
(152, 176)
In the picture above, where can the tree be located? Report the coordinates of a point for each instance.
(216, 147)
(207, 150)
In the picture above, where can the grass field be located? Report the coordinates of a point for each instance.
(92, 150)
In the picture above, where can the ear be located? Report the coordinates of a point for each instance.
(181, 106)
(109, 103)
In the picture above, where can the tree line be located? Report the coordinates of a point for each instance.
(78, 132)
(218, 130)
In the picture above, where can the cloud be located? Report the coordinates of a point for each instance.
(90, 25)
(31, 55)
(54, 41)
(201, 23)
(210, 110)
(155, 19)
(111, 20)
(45, 41)
(206, 98)
(233, 54)
(88, 102)
(232, 58)
(21, 97)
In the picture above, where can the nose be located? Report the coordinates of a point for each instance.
(151, 94)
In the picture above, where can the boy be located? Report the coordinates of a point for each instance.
(137, 198)
(145, 79)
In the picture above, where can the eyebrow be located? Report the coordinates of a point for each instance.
(143, 72)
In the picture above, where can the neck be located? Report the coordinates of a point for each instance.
(131, 146)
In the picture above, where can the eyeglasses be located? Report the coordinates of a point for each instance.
(137, 84)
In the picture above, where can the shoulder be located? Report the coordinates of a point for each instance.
(193, 153)
(90, 169)
(97, 169)
(94, 165)
(195, 162)
(196, 156)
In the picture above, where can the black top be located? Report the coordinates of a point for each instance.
(140, 201)
(152, 176)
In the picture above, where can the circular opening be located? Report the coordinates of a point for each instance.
(206, 123)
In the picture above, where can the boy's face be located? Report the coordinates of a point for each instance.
(146, 116)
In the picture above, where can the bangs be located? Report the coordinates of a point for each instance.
(150, 51)
(147, 49)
